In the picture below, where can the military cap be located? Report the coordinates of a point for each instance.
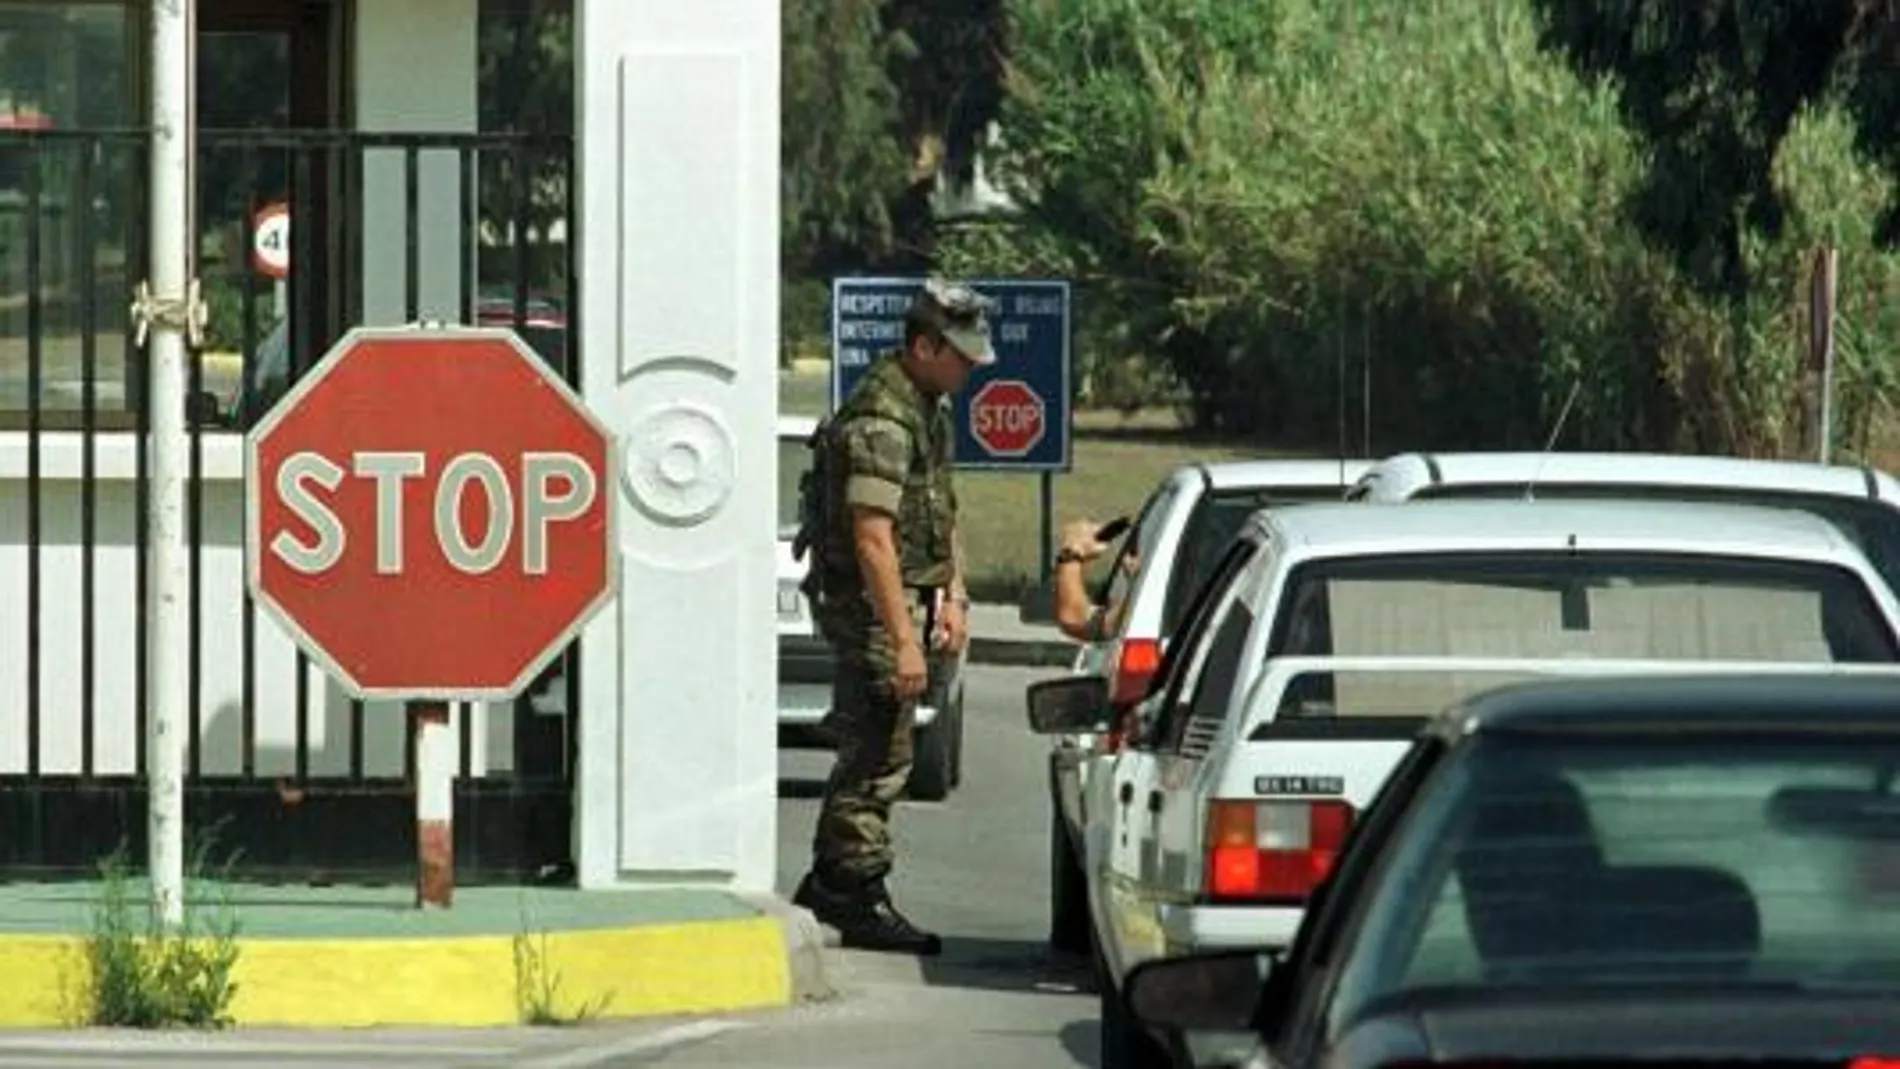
(967, 312)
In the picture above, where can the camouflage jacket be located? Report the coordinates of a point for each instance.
(888, 446)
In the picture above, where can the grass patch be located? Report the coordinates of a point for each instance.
(1118, 460)
(142, 975)
(538, 997)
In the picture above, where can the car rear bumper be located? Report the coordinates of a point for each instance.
(1196, 928)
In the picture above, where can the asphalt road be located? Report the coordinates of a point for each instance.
(974, 868)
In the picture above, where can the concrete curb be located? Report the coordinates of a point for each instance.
(767, 961)
(804, 948)
(1021, 654)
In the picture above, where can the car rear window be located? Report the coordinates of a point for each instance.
(1556, 860)
(1873, 525)
(1381, 694)
(1632, 606)
(1216, 520)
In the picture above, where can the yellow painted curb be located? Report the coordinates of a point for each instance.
(650, 970)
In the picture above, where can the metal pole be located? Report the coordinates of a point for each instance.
(1821, 304)
(435, 804)
(1048, 510)
(166, 313)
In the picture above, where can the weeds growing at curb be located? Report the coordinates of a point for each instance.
(145, 976)
(538, 984)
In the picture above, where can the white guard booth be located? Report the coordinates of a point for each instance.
(677, 159)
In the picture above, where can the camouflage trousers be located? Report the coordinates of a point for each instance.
(872, 731)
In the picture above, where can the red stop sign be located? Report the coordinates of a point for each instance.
(1007, 418)
(430, 513)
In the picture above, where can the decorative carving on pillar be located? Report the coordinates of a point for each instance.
(679, 464)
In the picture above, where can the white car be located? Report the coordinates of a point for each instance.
(804, 658)
(1265, 737)
(1176, 537)
(1863, 501)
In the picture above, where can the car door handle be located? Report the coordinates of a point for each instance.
(1127, 793)
(1154, 801)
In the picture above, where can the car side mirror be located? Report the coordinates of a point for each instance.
(1203, 993)
(1069, 705)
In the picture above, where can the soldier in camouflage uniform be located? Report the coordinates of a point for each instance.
(886, 583)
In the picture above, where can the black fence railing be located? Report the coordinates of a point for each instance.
(301, 782)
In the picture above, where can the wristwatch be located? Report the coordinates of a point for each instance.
(1067, 555)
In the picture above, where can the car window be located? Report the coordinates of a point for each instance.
(1543, 605)
(1382, 694)
(1138, 545)
(1216, 519)
(794, 459)
(1211, 688)
(1873, 525)
(1540, 860)
(1181, 665)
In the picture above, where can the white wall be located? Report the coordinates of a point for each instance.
(415, 73)
(678, 162)
(221, 660)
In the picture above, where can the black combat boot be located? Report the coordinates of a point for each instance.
(864, 917)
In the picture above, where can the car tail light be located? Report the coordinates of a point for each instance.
(1136, 660)
(1869, 1061)
(1273, 850)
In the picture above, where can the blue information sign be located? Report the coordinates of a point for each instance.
(1012, 415)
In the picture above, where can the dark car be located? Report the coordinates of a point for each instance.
(1703, 870)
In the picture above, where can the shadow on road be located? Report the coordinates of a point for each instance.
(805, 789)
(1082, 1041)
(1007, 965)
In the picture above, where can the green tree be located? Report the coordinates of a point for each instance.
(842, 161)
(1714, 88)
(948, 63)
(526, 71)
(1253, 191)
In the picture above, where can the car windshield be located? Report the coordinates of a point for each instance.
(1634, 606)
(1546, 860)
(1873, 525)
(794, 459)
(1217, 519)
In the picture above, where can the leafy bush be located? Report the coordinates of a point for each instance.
(1257, 190)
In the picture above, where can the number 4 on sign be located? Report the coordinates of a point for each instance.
(270, 242)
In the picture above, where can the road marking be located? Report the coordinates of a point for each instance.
(225, 1047)
(651, 1043)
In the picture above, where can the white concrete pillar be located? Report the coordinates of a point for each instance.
(678, 116)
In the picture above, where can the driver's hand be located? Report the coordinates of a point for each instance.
(1078, 537)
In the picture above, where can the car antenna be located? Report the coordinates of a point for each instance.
(1339, 389)
(1563, 416)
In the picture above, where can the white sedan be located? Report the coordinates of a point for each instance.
(1272, 724)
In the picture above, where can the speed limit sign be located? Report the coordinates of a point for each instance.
(270, 241)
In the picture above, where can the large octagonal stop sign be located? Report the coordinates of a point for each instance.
(430, 515)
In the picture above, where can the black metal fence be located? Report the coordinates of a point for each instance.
(295, 781)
